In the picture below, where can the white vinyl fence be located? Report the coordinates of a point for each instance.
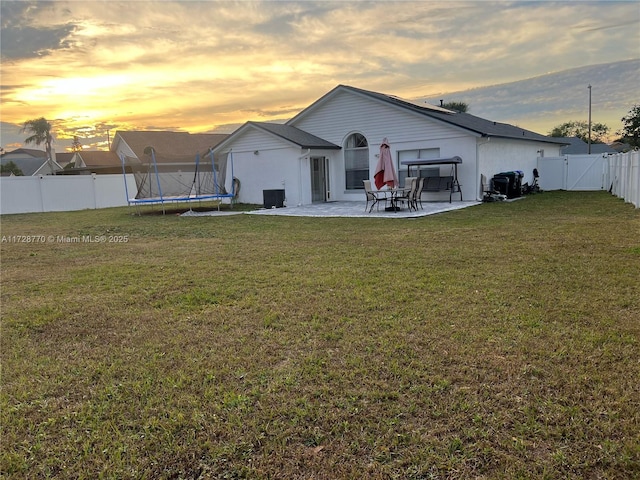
(618, 173)
(624, 175)
(574, 172)
(59, 193)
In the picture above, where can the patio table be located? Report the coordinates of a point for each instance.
(392, 194)
(378, 196)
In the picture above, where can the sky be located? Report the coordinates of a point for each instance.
(209, 66)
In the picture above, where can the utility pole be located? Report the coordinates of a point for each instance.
(589, 140)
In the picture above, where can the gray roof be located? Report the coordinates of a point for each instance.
(29, 166)
(480, 126)
(64, 157)
(26, 152)
(577, 146)
(295, 135)
(26, 159)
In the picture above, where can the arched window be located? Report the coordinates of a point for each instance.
(356, 161)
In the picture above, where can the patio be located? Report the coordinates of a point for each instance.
(348, 209)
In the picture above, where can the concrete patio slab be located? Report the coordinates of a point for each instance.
(341, 209)
(357, 209)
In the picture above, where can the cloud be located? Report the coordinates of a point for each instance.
(198, 64)
(22, 40)
(11, 136)
(545, 101)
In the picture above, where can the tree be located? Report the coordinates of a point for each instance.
(10, 166)
(460, 107)
(631, 127)
(76, 146)
(40, 130)
(580, 129)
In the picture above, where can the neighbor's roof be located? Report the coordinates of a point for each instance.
(466, 121)
(64, 157)
(28, 160)
(28, 166)
(171, 143)
(97, 158)
(31, 152)
(578, 146)
(295, 135)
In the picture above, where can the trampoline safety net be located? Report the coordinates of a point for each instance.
(174, 178)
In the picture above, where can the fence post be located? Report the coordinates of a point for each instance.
(40, 189)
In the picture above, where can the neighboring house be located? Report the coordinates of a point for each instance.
(326, 151)
(63, 159)
(31, 162)
(620, 147)
(94, 161)
(133, 143)
(577, 146)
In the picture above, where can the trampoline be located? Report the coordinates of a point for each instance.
(162, 179)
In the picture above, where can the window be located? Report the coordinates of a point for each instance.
(422, 154)
(356, 161)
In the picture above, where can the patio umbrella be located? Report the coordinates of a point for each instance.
(385, 171)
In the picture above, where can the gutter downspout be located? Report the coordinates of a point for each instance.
(300, 158)
(478, 145)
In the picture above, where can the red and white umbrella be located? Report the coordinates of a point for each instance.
(385, 171)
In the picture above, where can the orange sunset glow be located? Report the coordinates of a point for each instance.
(203, 66)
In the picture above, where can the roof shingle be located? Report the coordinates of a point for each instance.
(295, 135)
(466, 121)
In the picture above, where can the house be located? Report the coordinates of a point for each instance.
(621, 147)
(577, 146)
(63, 159)
(133, 143)
(31, 162)
(326, 151)
(94, 161)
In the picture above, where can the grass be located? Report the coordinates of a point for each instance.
(499, 341)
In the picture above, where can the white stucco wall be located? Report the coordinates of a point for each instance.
(497, 155)
(263, 162)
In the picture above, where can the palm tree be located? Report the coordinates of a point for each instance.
(40, 130)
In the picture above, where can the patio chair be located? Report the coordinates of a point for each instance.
(418, 195)
(408, 195)
(485, 185)
(489, 193)
(371, 197)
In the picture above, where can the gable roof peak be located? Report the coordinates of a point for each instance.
(294, 135)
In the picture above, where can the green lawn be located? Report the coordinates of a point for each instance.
(499, 341)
